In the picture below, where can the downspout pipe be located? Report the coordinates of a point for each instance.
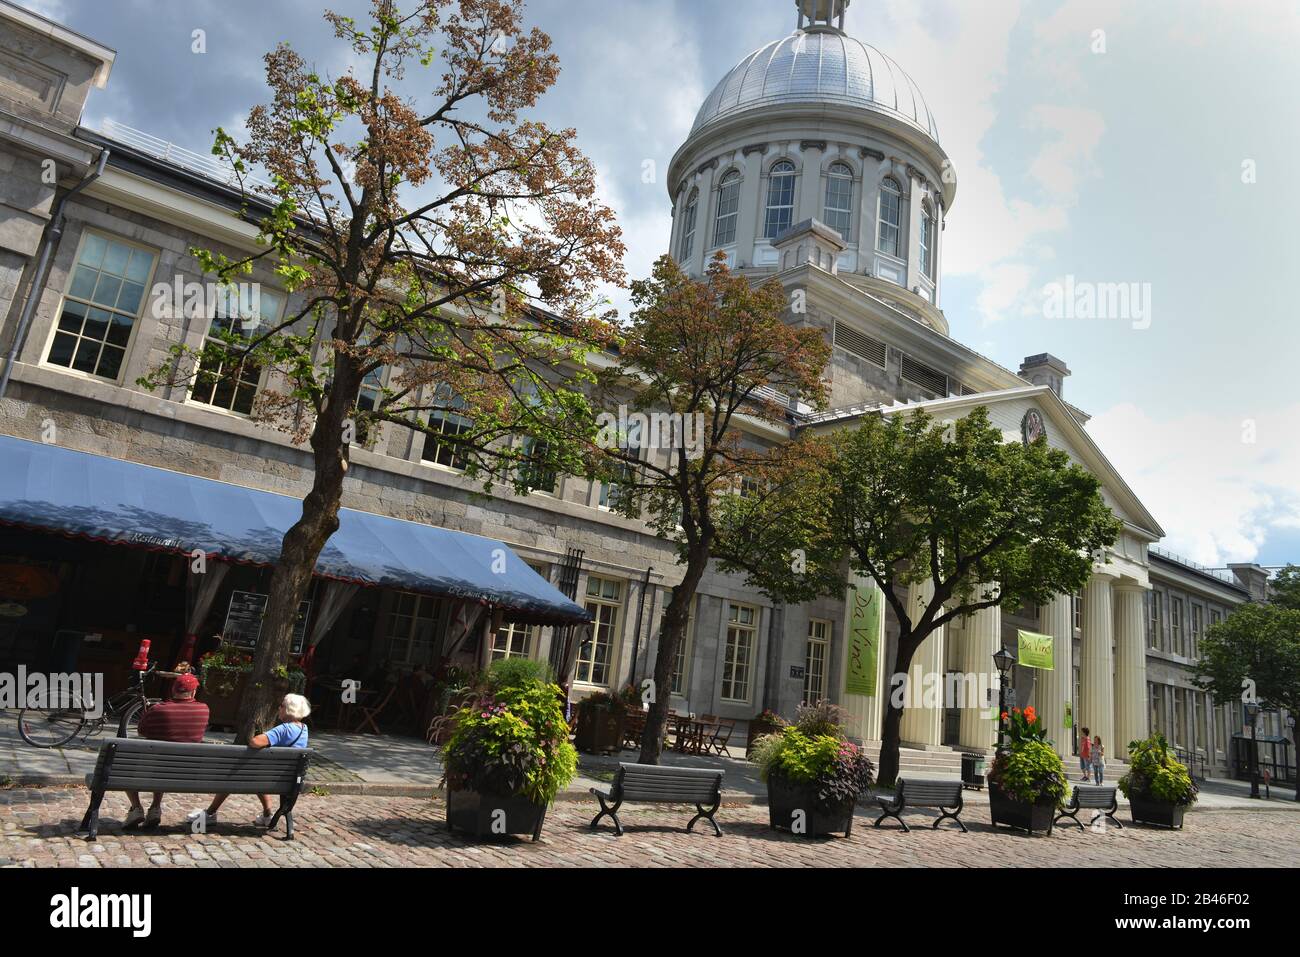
(38, 277)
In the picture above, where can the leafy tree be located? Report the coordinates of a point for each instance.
(713, 354)
(443, 238)
(986, 521)
(1255, 651)
(1284, 589)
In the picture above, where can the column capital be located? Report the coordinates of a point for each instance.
(1130, 585)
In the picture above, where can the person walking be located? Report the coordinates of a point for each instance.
(1098, 760)
(1085, 753)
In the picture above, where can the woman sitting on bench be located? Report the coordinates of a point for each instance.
(289, 733)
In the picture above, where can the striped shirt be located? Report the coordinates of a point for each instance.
(183, 721)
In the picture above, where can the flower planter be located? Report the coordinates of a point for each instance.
(784, 800)
(223, 709)
(758, 729)
(489, 815)
(600, 730)
(1020, 814)
(1152, 811)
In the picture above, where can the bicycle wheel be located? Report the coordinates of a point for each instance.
(127, 727)
(50, 727)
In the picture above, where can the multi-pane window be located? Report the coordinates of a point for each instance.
(891, 217)
(815, 658)
(724, 228)
(688, 224)
(224, 379)
(631, 444)
(1216, 616)
(1155, 719)
(410, 628)
(101, 306)
(1076, 607)
(1197, 615)
(1180, 717)
(681, 661)
(1202, 741)
(1154, 601)
(438, 450)
(1220, 728)
(738, 660)
(537, 477)
(596, 655)
(780, 200)
(838, 211)
(514, 640)
(1176, 626)
(927, 239)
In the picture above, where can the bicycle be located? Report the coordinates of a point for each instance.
(55, 725)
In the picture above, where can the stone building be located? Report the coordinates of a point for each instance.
(815, 160)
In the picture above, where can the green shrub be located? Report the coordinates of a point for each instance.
(837, 769)
(821, 718)
(1031, 771)
(517, 673)
(1155, 774)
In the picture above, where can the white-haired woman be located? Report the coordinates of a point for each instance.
(289, 733)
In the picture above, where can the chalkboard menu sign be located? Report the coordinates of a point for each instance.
(244, 621)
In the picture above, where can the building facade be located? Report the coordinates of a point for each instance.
(815, 161)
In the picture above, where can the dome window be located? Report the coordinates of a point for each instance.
(688, 224)
(724, 228)
(891, 217)
(780, 200)
(839, 200)
(927, 239)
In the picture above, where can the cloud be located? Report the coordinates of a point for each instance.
(1220, 483)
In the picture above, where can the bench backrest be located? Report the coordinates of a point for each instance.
(1094, 796)
(136, 764)
(666, 785)
(922, 792)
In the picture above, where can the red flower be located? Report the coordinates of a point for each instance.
(1004, 716)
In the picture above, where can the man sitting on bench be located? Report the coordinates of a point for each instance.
(182, 720)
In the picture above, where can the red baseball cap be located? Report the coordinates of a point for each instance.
(185, 684)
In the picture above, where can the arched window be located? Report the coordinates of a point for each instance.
(688, 225)
(891, 217)
(780, 200)
(724, 228)
(927, 239)
(839, 199)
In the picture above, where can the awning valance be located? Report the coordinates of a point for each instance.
(53, 489)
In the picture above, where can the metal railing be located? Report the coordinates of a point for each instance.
(1219, 573)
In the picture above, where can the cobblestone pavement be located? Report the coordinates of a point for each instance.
(37, 829)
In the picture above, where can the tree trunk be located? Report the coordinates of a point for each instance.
(302, 545)
(671, 634)
(890, 735)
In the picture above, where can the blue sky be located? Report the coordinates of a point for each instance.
(1110, 157)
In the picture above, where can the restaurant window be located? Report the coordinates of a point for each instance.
(412, 621)
(604, 600)
(101, 306)
(1176, 627)
(682, 660)
(738, 660)
(514, 640)
(223, 379)
(815, 658)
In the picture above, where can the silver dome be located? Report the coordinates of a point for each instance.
(818, 66)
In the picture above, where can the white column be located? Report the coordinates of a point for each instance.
(1131, 715)
(913, 238)
(809, 202)
(983, 638)
(1096, 664)
(923, 726)
(866, 714)
(1054, 688)
(752, 199)
(705, 218)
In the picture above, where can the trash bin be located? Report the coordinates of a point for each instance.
(972, 770)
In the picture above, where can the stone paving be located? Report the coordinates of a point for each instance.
(37, 829)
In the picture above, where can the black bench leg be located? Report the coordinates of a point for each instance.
(708, 815)
(894, 815)
(946, 814)
(606, 809)
(90, 823)
(1073, 815)
(285, 810)
(1114, 819)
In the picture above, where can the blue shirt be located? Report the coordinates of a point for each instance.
(287, 735)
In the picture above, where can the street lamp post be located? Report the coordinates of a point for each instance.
(1252, 719)
(1003, 661)
(1290, 723)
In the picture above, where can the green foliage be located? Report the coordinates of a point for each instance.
(822, 718)
(1256, 647)
(1155, 774)
(1284, 589)
(518, 673)
(1031, 771)
(512, 740)
(835, 768)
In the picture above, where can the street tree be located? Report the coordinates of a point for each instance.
(447, 253)
(985, 521)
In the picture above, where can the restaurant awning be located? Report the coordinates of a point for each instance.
(52, 489)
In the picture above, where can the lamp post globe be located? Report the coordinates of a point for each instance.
(1002, 660)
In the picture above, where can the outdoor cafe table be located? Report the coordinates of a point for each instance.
(691, 733)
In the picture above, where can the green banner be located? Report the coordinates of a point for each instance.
(1035, 650)
(1069, 716)
(866, 607)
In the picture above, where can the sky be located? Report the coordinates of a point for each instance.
(1094, 141)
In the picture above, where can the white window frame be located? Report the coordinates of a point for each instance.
(838, 174)
(136, 321)
(584, 670)
(735, 631)
(262, 373)
(889, 186)
(1177, 636)
(681, 673)
(927, 239)
(732, 181)
(689, 216)
(507, 639)
(782, 206)
(819, 637)
(410, 640)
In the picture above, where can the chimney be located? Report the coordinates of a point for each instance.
(1251, 577)
(1045, 369)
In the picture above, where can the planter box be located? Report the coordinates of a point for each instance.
(756, 731)
(1151, 811)
(223, 709)
(784, 800)
(600, 730)
(488, 815)
(1020, 814)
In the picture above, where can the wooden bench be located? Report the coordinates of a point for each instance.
(653, 784)
(1097, 797)
(924, 792)
(137, 764)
